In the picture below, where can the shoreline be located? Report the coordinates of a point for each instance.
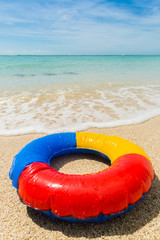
(77, 109)
(87, 129)
(17, 221)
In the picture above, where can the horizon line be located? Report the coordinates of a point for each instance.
(79, 54)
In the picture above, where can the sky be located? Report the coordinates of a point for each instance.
(80, 27)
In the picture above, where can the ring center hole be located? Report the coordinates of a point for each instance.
(79, 163)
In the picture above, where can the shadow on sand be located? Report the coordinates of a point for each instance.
(125, 224)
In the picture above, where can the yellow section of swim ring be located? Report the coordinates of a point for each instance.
(112, 146)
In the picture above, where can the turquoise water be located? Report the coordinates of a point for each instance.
(68, 93)
(28, 71)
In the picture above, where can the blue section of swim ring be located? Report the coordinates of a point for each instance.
(40, 150)
(80, 150)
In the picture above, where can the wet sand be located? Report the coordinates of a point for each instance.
(17, 221)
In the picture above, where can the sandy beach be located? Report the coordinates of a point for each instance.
(17, 221)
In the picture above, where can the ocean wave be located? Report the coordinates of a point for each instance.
(50, 111)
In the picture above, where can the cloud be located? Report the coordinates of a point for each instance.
(70, 26)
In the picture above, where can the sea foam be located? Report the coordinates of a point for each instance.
(50, 111)
(48, 94)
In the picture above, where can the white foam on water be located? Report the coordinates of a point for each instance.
(50, 111)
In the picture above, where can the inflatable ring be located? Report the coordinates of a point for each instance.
(90, 197)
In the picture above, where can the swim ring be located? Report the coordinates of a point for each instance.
(92, 197)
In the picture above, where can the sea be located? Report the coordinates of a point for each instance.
(49, 94)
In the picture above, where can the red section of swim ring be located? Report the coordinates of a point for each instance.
(82, 196)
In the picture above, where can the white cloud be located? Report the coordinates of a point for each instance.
(81, 26)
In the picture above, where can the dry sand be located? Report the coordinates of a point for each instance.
(17, 221)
